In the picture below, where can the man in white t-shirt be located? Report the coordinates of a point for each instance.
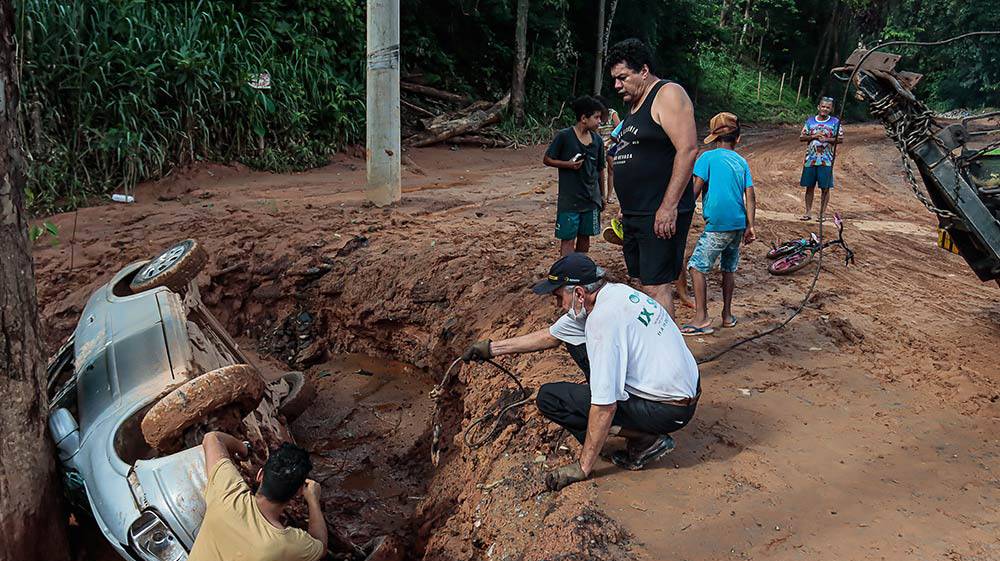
(643, 382)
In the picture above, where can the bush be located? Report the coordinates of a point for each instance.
(114, 93)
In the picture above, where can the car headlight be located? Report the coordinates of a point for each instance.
(150, 537)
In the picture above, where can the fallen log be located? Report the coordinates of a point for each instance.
(472, 122)
(437, 120)
(479, 140)
(433, 92)
(417, 108)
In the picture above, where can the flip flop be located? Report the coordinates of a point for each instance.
(805, 218)
(614, 234)
(730, 323)
(689, 330)
(611, 237)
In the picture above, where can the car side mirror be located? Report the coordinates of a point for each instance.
(65, 432)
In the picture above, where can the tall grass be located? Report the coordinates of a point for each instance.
(727, 84)
(118, 91)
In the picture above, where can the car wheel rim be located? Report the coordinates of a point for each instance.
(165, 261)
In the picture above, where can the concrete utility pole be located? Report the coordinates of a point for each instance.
(382, 139)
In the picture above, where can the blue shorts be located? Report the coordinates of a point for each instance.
(817, 175)
(569, 225)
(711, 246)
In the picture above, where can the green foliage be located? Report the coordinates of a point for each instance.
(727, 85)
(47, 228)
(119, 91)
(963, 74)
(115, 92)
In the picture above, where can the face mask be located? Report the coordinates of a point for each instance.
(575, 315)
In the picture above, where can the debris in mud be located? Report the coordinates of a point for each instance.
(352, 245)
(843, 331)
(295, 340)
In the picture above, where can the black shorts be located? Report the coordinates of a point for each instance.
(650, 259)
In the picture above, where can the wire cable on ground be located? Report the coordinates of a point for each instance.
(836, 133)
(497, 414)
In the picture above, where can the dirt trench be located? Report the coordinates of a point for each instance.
(374, 350)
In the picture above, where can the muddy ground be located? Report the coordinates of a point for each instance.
(866, 429)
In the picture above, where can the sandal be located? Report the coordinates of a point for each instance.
(806, 217)
(730, 323)
(689, 330)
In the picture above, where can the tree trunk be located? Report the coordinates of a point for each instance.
(31, 524)
(724, 12)
(599, 52)
(834, 50)
(520, 56)
(824, 44)
(746, 21)
(604, 40)
(458, 126)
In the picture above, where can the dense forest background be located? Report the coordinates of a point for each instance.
(119, 91)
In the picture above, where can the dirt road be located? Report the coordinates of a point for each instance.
(864, 430)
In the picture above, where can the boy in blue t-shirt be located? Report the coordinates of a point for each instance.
(822, 131)
(729, 208)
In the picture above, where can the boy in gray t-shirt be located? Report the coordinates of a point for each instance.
(578, 153)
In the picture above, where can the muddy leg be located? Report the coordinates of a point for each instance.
(728, 287)
(662, 293)
(566, 247)
(682, 290)
(700, 284)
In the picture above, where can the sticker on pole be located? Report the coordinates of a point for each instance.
(261, 81)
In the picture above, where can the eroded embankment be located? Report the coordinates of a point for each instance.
(310, 304)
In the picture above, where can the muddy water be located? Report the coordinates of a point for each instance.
(367, 433)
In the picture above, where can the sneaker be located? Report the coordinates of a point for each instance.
(635, 456)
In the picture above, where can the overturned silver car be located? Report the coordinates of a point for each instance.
(146, 373)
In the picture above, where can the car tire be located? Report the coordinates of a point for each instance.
(238, 386)
(300, 396)
(178, 265)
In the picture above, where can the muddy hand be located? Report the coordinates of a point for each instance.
(478, 352)
(559, 478)
(311, 490)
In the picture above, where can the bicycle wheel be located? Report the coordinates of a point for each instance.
(784, 249)
(790, 263)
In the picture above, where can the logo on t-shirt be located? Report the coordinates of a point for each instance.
(634, 298)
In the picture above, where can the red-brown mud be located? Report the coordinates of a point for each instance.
(864, 430)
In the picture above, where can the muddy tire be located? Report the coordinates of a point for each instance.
(174, 268)
(300, 396)
(238, 386)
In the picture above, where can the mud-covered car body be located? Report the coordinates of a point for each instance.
(128, 351)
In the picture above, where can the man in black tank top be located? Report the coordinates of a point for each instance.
(658, 146)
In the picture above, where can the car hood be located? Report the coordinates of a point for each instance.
(174, 485)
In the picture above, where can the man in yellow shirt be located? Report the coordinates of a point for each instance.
(242, 526)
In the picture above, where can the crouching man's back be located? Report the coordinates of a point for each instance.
(241, 526)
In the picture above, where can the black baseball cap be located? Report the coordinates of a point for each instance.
(575, 268)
